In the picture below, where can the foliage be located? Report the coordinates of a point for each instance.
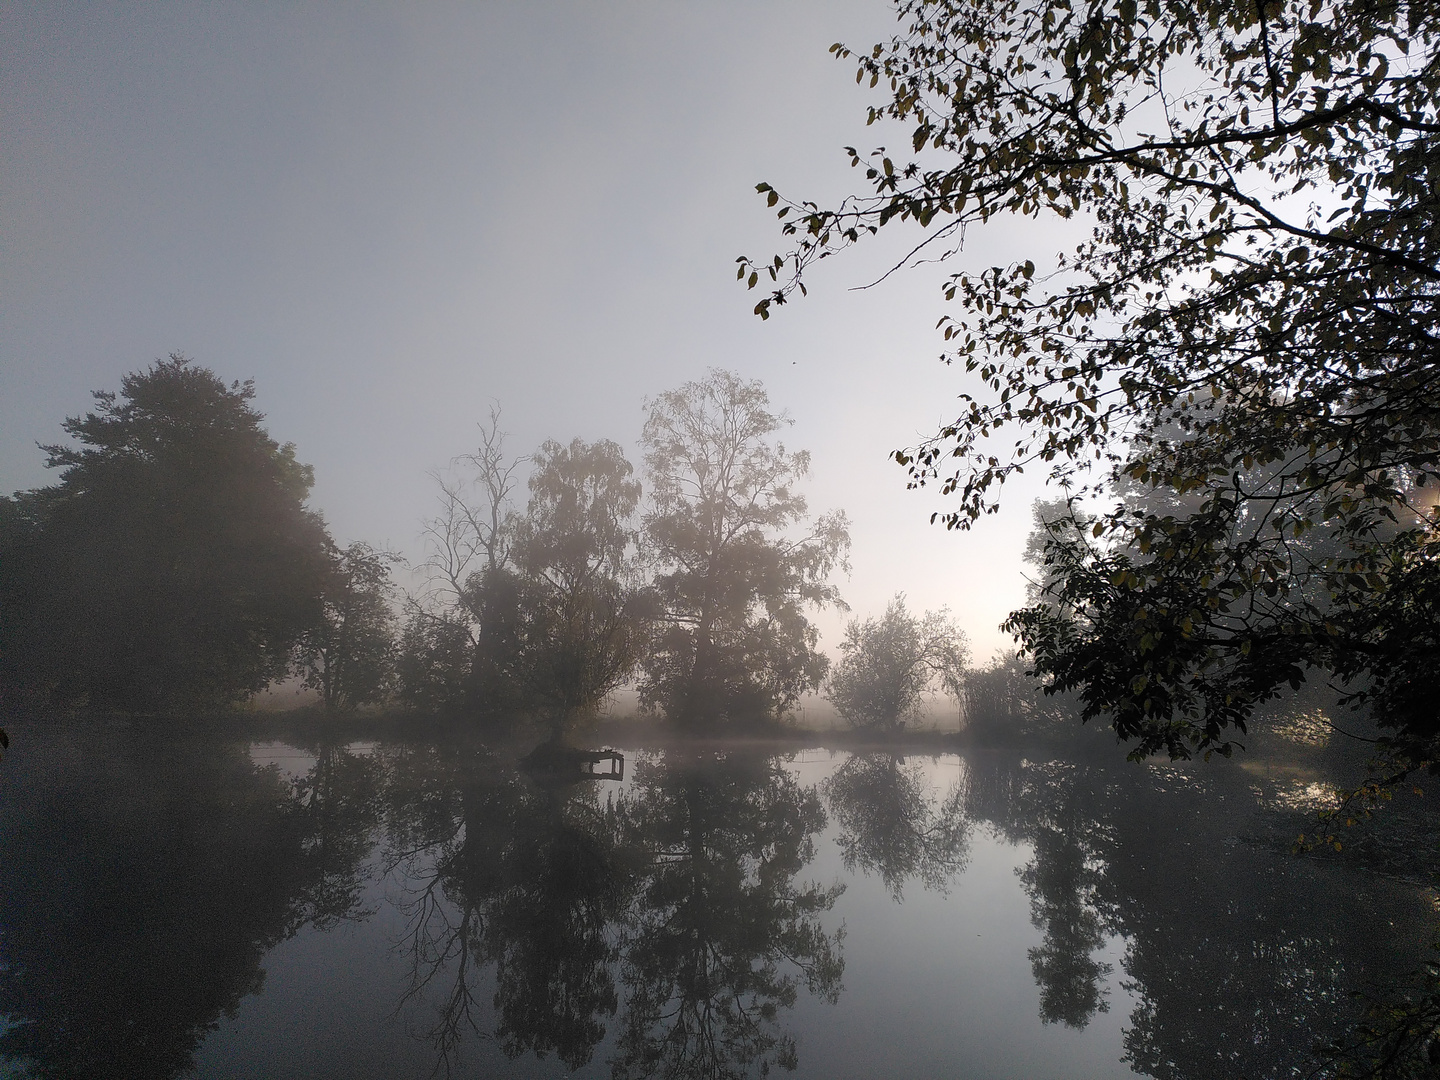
(1260, 278)
(1045, 515)
(539, 611)
(1005, 702)
(886, 665)
(1399, 1037)
(579, 622)
(460, 638)
(174, 565)
(553, 606)
(350, 658)
(736, 554)
(998, 697)
(434, 661)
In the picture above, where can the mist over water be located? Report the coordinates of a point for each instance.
(386, 906)
(470, 607)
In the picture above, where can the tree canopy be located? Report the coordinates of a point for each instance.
(576, 548)
(175, 565)
(705, 590)
(1250, 327)
(349, 658)
(887, 664)
(737, 556)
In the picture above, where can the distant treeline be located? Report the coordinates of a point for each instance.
(175, 568)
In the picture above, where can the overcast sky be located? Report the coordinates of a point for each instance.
(390, 216)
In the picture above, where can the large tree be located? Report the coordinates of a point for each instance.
(1251, 326)
(578, 620)
(737, 557)
(175, 564)
(533, 611)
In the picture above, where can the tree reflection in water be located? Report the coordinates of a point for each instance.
(1243, 958)
(722, 934)
(684, 890)
(1063, 879)
(664, 926)
(145, 878)
(528, 881)
(338, 803)
(892, 826)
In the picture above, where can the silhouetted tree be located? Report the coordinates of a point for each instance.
(1261, 273)
(1047, 515)
(886, 665)
(736, 556)
(998, 698)
(472, 530)
(175, 564)
(435, 660)
(470, 608)
(350, 658)
(547, 601)
(1006, 702)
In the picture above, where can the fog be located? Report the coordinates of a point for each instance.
(391, 218)
(430, 646)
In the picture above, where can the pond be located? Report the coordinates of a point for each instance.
(405, 906)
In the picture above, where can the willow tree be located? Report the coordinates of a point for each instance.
(1251, 325)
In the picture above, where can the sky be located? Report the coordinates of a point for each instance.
(392, 216)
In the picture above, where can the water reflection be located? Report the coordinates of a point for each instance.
(892, 825)
(667, 925)
(143, 881)
(1059, 810)
(723, 930)
(528, 881)
(337, 804)
(1243, 958)
(683, 889)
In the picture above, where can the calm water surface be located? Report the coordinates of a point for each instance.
(397, 909)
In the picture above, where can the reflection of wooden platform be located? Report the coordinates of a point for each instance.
(551, 765)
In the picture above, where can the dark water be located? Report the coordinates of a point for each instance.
(397, 909)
